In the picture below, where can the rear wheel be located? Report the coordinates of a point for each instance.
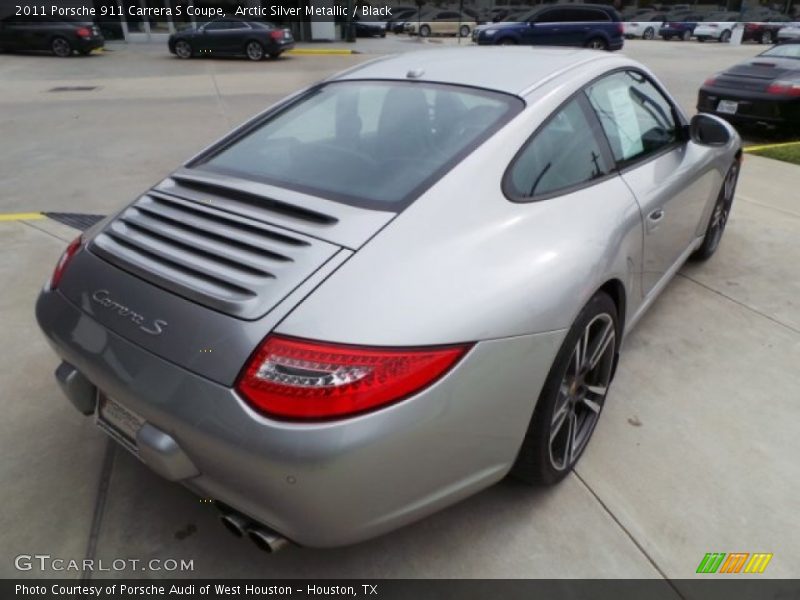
(254, 50)
(572, 397)
(183, 49)
(686, 35)
(597, 44)
(649, 34)
(464, 31)
(719, 216)
(766, 38)
(424, 31)
(61, 47)
(725, 37)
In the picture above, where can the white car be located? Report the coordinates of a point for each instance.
(789, 33)
(646, 29)
(718, 26)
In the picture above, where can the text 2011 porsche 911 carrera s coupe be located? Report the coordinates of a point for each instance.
(391, 289)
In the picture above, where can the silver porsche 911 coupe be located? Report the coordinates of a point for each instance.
(393, 288)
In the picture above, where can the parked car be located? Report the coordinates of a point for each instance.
(590, 25)
(398, 18)
(717, 26)
(62, 37)
(369, 28)
(392, 289)
(402, 25)
(762, 90)
(231, 37)
(764, 32)
(681, 29)
(443, 22)
(789, 33)
(645, 26)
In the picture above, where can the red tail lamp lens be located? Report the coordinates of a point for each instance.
(83, 32)
(300, 379)
(64, 261)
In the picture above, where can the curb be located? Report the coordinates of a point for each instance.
(769, 146)
(321, 51)
(30, 216)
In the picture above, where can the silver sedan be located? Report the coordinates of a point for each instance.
(392, 289)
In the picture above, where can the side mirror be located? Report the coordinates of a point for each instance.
(709, 130)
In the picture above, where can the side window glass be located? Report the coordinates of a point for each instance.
(635, 115)
(564, 153)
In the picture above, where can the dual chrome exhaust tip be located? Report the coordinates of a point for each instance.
(263, 537)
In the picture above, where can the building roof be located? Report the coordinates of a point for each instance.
(508, 69)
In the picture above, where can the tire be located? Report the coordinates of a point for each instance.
(686, 36)
(648, 34)
(725, 37)
(719, 216)
(183, 49)
(507, 42)
(566, 404)
(463, 31)
(254, 50)
(60, 47)
(597, 44)
(424, 31)
(766, 38)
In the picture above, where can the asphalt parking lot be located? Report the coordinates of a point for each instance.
(696, 451)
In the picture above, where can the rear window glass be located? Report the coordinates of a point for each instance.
(372, 144)
(783, 51)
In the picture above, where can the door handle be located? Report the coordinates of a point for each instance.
(656, 215)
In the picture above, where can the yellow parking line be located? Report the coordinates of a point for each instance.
(32, 216)
(768, 146)
(320, 51)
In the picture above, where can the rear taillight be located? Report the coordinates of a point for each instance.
(784, 88)
(276, 34)
(291, 378)
(710, 81)
(64, 261)
(620, 28)
(83, 32)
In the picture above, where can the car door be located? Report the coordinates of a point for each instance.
(671, 177)
(234, 37)
(446, 23)
(551, 27)
(10, 33)
(581, 22)
(212, 39)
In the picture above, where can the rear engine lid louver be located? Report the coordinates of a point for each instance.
(227, 262)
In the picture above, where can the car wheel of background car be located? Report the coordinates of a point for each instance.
(766, 38)
(507, 42)
(719, 216)
(572, 397)
(464, 31)
(686, 35)
(61, 47)
(424, 31)
(254, 50)
(725, 37)
(597, 44)
(183, 49)
(648, 34)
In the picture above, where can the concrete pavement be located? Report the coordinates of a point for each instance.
(695, 451)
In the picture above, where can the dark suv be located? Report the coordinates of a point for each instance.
(588, 25)
(62, 37)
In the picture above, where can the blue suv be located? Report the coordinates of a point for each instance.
(587, 25)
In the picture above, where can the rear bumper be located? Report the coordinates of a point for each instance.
(86, 45)
(753, 107)
(322, 484)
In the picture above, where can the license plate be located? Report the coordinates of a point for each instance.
(727, 107)
(119, 422)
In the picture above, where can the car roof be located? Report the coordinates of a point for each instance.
(514, 70)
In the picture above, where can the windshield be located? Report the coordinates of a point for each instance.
(373, 144)
(783, 51)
